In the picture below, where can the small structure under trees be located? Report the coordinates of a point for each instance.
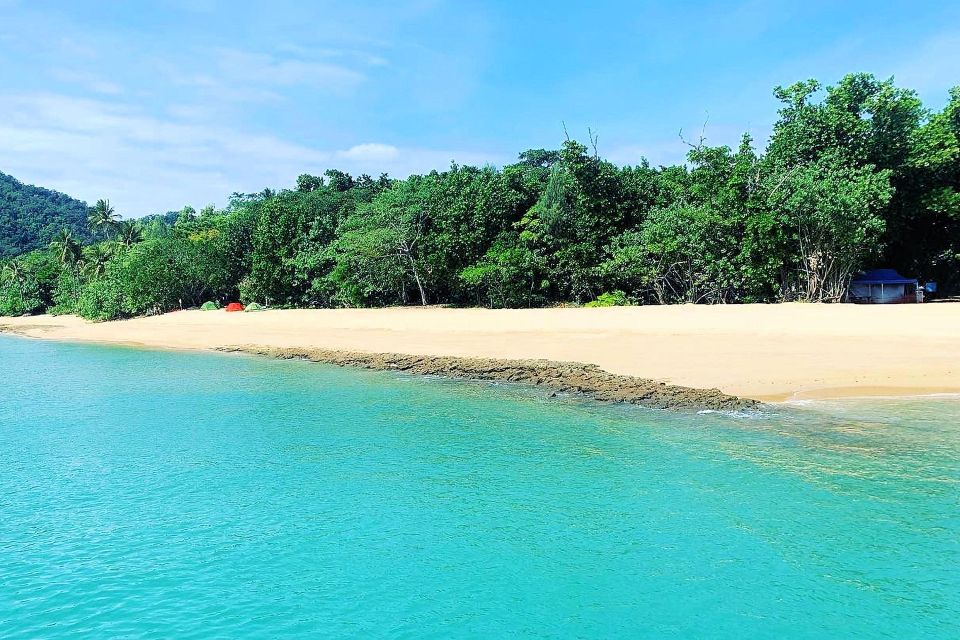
(882, 286)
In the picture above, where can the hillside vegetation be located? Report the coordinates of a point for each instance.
(855, 175)
(31, 216)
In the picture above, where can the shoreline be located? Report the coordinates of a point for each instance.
(758, 353)
(557, 377)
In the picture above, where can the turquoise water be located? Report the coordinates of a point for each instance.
(158, 494)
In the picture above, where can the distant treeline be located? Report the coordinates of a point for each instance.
(856, 175)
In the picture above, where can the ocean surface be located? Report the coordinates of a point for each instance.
(155, 494)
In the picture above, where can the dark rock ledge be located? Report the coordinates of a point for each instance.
(565, 377)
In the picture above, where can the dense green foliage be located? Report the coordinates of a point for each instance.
(31, 216)
(855, 175)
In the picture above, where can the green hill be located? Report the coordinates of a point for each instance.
(30, 216)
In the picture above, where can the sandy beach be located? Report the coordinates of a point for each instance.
(764, 352)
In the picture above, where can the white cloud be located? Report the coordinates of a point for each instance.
(86, 80)
(264, 69)
(94, 149)
(370, 151)
(235, 75)
(364, 57)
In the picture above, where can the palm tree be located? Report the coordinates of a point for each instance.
(128, 233)
(67, 248)
(96, 258)
(102, 217)
(14, 272)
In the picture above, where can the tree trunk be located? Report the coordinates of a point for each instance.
(416, 276)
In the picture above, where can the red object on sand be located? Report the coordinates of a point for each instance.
(234, 306)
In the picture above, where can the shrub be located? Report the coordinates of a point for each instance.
(101, 299)
(610, 299)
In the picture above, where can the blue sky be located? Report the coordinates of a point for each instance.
(160, 104)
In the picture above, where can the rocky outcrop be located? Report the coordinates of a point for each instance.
(567, 377)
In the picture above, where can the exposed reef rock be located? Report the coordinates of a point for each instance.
(568, 377)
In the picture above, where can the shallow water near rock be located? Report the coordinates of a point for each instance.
(163, 494)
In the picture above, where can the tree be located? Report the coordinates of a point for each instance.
(339, 180)
(128, 233)
(584, 203)
(834, 213)
(290, 258)
(467, 208)
(103, 218)
(923, 230)
(824, 187)
(542, 158)
(681, 253)
(307, 183)
(13, 280)
(96, 258)
(27, 283)
(508, 275)
(380, 251)
(66, 248)
(185, 217)
(748, 253)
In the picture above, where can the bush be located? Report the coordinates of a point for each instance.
(27, 284)
(610, 299)
(101, 299)
(508, 275)
(67, 293)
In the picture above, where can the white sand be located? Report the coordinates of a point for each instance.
(767, 352)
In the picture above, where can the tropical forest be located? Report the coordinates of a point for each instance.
(855, 175)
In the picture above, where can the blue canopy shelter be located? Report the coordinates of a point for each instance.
(882, 286)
